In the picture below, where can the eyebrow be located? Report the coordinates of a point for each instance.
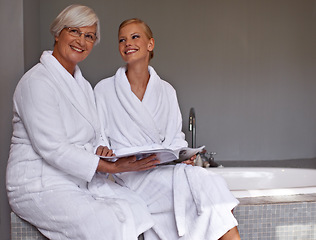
(130, 35)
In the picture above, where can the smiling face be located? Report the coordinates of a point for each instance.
(134, 44)
(70, 50)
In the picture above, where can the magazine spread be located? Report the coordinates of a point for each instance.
(164, 155)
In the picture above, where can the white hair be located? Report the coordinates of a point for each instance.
(76, 16)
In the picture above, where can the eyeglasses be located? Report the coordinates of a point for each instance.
(89, 36)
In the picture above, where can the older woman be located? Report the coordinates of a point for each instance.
(138, 111)
(55, 134)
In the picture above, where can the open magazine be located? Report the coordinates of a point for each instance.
(164, 155)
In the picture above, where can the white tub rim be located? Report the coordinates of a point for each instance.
(285, 190)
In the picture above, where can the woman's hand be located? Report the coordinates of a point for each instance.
(128, 164)
(104, 151)
(190, 161)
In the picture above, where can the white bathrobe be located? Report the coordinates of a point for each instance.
(186, 202)
(55, 134)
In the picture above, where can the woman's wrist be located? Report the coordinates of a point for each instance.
(105, 166)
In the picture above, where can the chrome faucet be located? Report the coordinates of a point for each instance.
(207, 158)
(192, 127)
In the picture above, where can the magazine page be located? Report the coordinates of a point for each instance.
(164, 155)
(187, 152)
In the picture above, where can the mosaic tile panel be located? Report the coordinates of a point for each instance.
(287, 221)
(276, 221)
(22, 230)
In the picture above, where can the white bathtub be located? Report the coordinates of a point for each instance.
(259, 181)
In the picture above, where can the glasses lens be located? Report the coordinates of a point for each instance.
(90, 37)
(74, 32)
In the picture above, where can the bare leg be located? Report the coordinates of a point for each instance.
(232, 234)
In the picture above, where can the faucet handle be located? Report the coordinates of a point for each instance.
(212, 161)
(212, 154)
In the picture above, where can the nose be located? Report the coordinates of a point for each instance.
(127, 42)
(81, 40)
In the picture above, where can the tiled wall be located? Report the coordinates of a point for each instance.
(21, 230)
(263, 221)
(285, 221)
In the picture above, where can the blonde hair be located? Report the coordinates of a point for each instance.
(146, 28)
(76, 16)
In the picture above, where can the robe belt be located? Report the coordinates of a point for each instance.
(185, 180)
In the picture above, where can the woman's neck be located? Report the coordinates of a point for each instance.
(70, 67)
(138, 77)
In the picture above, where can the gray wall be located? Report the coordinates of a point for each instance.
(248, 68)
(11, 70)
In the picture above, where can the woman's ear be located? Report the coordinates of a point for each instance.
(151, 45)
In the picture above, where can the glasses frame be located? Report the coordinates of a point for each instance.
(86, 34)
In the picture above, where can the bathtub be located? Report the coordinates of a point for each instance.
(262, 181)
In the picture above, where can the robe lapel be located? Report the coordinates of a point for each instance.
(135, 108)
(71, 88)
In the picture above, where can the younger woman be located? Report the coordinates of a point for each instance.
(138, 110)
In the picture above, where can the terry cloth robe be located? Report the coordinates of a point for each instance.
(186, 202)
(55, 133)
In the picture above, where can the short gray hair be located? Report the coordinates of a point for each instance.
(76, 16)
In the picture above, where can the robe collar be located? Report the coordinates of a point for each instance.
(76, 89)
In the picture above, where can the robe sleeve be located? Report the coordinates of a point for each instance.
(37, 103)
